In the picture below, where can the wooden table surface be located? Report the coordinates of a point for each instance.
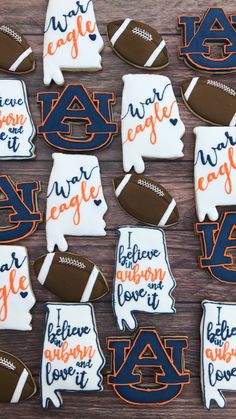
(193, 285)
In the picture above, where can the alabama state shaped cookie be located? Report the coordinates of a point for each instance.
(210, 100)
(200, 34)
(16, 125)
(72, 359)
(138, 44)
(150, 122)
(218, 342)
(147, 350)
(146, 200)
(16, 297)
(75, 202)
(71, 277)
(62, 112)
(72, 41)
(21, 199)
(143, 280)
(16, 381)
(214, 170)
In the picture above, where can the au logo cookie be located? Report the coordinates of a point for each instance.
(72, 358)
(217, 240)
(148, 350)
(218, 342)
(199, 34)
(21, 199)
(62, 111)
(143, 279)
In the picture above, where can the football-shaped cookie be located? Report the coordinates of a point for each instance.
(16, 381)
(210, 100)
(71, 277)
(138, 44)
(15, 53)
(146, 200)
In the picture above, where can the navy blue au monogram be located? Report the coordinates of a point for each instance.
(60, 112)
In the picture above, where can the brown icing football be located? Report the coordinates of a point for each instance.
(210, 100)
(16, 55)
(71, 277)
(16, 381)
(138, 44)
(146, 200)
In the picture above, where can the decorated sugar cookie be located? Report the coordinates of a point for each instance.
(138, 44)
(72, 41)
(214, 170)
(75, 202)
(72, 359)
(150, 122)
(218, 342)
(210, 100)
(71, 277)
(16, 298)
(16, 55)
(16, 381)
(146, 200)
(218, 242)
(147, 350)
(24, 216)
(200, 34)
(16, 125)
(62, 112)
(143, 280)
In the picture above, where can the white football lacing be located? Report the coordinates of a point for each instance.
(142, 33)
(72, 262)
(6, 363)
(6, 29)
(151, 186)
(221, 86)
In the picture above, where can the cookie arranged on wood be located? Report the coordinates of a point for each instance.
(71, 277)
(138, 44)
(16, 56)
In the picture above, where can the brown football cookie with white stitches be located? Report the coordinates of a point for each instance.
(16, 56)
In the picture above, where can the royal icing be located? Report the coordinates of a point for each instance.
(62, 112)
(21, 199)
(75, 201)
(143, 280)
(16, 295)
(214, 167)
(150, 122)
(201, 34)
(71, 39)
(72, 358)
(16, 126)
(147, 350)
(218, 343)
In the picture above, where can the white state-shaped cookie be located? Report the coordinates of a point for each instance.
(75, 201)
(143, 280)
(71, 334)
(214, 170)
(16, 298)
(218, 343)
(150, 122)
(72, 41)
(17, 129)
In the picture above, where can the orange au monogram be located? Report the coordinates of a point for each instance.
(72, 37)
(14, 286)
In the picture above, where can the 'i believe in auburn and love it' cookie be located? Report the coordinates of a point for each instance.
(75, 201)
(72, 41)
(143, 280)
(150, 122)
(71, 334)
(16, 125)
